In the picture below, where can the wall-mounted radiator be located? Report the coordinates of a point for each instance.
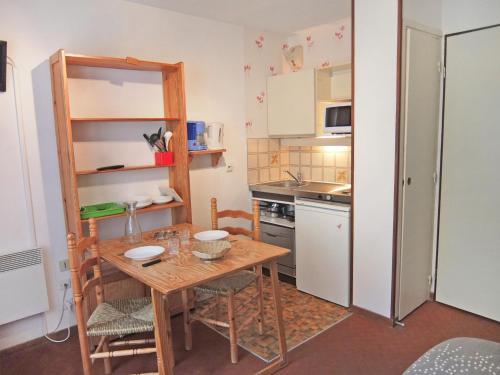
(23, 291)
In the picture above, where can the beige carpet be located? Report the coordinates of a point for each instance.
(304, 316)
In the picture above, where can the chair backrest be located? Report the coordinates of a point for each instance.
(238, 214)
(85, 266)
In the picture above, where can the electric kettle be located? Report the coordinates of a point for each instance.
(215, 135)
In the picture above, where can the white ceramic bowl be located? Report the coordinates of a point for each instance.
(211, 235)
(144, 252)
(162, 199)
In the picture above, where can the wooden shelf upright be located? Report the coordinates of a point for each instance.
(174, 115)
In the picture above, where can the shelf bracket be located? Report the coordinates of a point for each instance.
(215, 159)
(214, 154)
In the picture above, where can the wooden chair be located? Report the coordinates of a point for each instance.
(109, 318)
(229, 286)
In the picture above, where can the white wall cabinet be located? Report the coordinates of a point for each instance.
(341, 84)
(291, 107)
(296, 101)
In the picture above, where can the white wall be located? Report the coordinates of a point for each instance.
(461, 15)
(213, 56)
(452, 16)
(375, 116)
(328, 44)
(262, 60)
(423, 12)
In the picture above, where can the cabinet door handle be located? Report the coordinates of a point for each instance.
(270, 234)
(408, 181)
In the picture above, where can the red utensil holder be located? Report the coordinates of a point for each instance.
(164, 158)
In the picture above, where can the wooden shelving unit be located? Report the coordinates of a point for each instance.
(152, 208)
(123, 119)
(174, 115)
(124, 169)
(215, 154)
(127, 63)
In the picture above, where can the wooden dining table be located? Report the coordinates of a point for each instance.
(184, 271)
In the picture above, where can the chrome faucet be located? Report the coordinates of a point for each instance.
(298, 179)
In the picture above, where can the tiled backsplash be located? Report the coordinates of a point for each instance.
(268, 160)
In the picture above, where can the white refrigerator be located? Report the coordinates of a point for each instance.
(322, 235)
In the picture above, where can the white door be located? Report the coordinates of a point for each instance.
(420, 119)
(468, 275)
(322, 250)
(291, 104)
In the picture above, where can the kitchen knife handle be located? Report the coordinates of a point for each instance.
(147, 264)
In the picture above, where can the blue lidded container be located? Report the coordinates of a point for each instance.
(196, 135)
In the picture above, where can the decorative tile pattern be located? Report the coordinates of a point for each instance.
(264, 175)
(274, 174)
(274, 159)
(253, 162)
(253, 176)
(304, 316)
(269, 159)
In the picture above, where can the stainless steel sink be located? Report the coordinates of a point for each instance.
(287, 184)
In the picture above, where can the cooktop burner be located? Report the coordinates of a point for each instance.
(326, 191)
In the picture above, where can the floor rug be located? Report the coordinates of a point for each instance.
(304, 316)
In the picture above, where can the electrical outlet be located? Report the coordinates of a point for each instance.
(229, 168)
(63, 283)
(64, 265)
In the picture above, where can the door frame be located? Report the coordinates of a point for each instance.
(353, 131)
(395, 220)
(400, 156)
(440, 151)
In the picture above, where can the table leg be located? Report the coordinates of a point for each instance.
(282, 361)
(163, 334)
(188, 340)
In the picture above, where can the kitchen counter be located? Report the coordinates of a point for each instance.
(288, 190)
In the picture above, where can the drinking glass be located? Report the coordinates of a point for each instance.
(184, 236)
(173, 243)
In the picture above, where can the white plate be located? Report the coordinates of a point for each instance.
(165, 190)
(211, 235)
(142, 200)
(162, 199)
(144, 252)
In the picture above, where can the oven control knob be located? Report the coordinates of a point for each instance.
(328, 197)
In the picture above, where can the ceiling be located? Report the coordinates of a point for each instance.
(272, 15)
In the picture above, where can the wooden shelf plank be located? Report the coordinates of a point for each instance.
(122, 119)
(131, 168)
(152, 208)
(130, 63)
(216, 155)
(207, 152)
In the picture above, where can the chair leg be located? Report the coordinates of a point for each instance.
(188, 339)
(85, 353)
(260, 302)
(233, 338)
(83, 338)
(108, 369)
(217, 307)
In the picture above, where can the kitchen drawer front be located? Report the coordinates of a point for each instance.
(275, 235)
(280, 236)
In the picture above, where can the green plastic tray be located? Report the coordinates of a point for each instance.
(101, 209)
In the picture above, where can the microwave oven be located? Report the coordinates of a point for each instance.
(337, 118)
